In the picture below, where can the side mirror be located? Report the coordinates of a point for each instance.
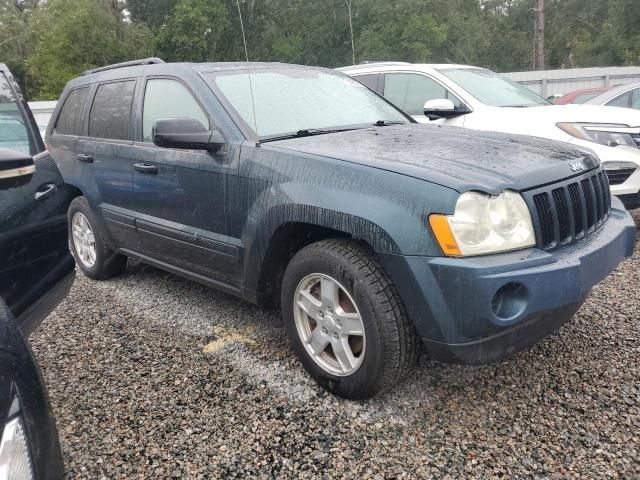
(442, 108)
(185, 133)
(16, 168)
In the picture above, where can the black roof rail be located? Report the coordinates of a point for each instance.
(132, 63)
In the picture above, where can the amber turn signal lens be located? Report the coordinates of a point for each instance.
(442, 231)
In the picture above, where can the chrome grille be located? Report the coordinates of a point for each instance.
(563, 213)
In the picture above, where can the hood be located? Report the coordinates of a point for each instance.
(458, 158)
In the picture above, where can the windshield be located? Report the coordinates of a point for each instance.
(14, 133)
(493, 89)
(282, 101)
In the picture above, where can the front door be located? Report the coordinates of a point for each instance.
(180, 195)
(410, 91)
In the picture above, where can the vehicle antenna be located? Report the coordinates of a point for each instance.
(246, 52)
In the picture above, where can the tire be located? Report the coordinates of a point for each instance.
(106, 263)
(379, 358)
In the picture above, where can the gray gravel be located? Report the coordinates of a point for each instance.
(151, 376)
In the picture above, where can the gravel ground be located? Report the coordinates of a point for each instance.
(151, 376)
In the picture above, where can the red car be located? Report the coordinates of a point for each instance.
(581, 96)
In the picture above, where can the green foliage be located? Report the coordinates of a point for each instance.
(46, 43)
(193, 31)
(74, 35)
(15, 39)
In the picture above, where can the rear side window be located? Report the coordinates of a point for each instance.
(70, 119)
(585, 97)
(166, 98)
(110, 115)
(370, 80)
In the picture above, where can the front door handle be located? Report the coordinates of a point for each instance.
(83, 157)
(145, 168)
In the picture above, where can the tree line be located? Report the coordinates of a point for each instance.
(46, 43)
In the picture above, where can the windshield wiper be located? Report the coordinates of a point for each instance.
(384, 123)
(305, 132)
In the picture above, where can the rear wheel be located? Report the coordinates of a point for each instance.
(86, 242)
(345, 320)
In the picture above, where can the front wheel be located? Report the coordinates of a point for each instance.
(345, 319)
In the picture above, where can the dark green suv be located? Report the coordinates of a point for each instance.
(298, 186)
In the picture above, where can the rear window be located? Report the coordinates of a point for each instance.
(110, 115)
(70, 119)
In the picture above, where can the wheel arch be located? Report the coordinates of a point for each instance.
(287, 230)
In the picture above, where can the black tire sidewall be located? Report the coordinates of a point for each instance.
(365, 381)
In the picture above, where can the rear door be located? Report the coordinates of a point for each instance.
(105, 154)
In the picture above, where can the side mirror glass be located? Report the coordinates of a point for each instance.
(16, 168)
(185, 133)
(442, 108)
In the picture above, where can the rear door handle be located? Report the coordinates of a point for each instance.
(44, 190)
(83, 157)
(145, 168)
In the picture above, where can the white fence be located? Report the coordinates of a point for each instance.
(550, 82)
(42, 113)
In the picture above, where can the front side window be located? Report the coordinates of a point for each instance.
(14, 132)
(286, 100)
(623, 100)
(110, 115)
(410, 91)
(166, 98)
(493, 89)
(70, 119)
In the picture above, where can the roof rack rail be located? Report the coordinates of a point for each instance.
(376, 62)
(132, 63)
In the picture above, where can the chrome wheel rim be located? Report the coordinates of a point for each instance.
(329, 324)
(84, 240)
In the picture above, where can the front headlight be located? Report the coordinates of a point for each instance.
(605, 134)
(15, 460)
(484, 224)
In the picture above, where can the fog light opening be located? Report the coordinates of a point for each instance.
(509, 301)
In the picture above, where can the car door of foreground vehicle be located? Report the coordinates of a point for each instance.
(180, 195)
(34, 255)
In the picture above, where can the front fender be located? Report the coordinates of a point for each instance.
(388, 226)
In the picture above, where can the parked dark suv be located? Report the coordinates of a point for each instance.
(299, 186)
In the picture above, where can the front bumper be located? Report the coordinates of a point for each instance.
(620, 163)
(480, 309)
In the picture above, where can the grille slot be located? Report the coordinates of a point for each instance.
(569, 211)
(543, 205)
(564, 219)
